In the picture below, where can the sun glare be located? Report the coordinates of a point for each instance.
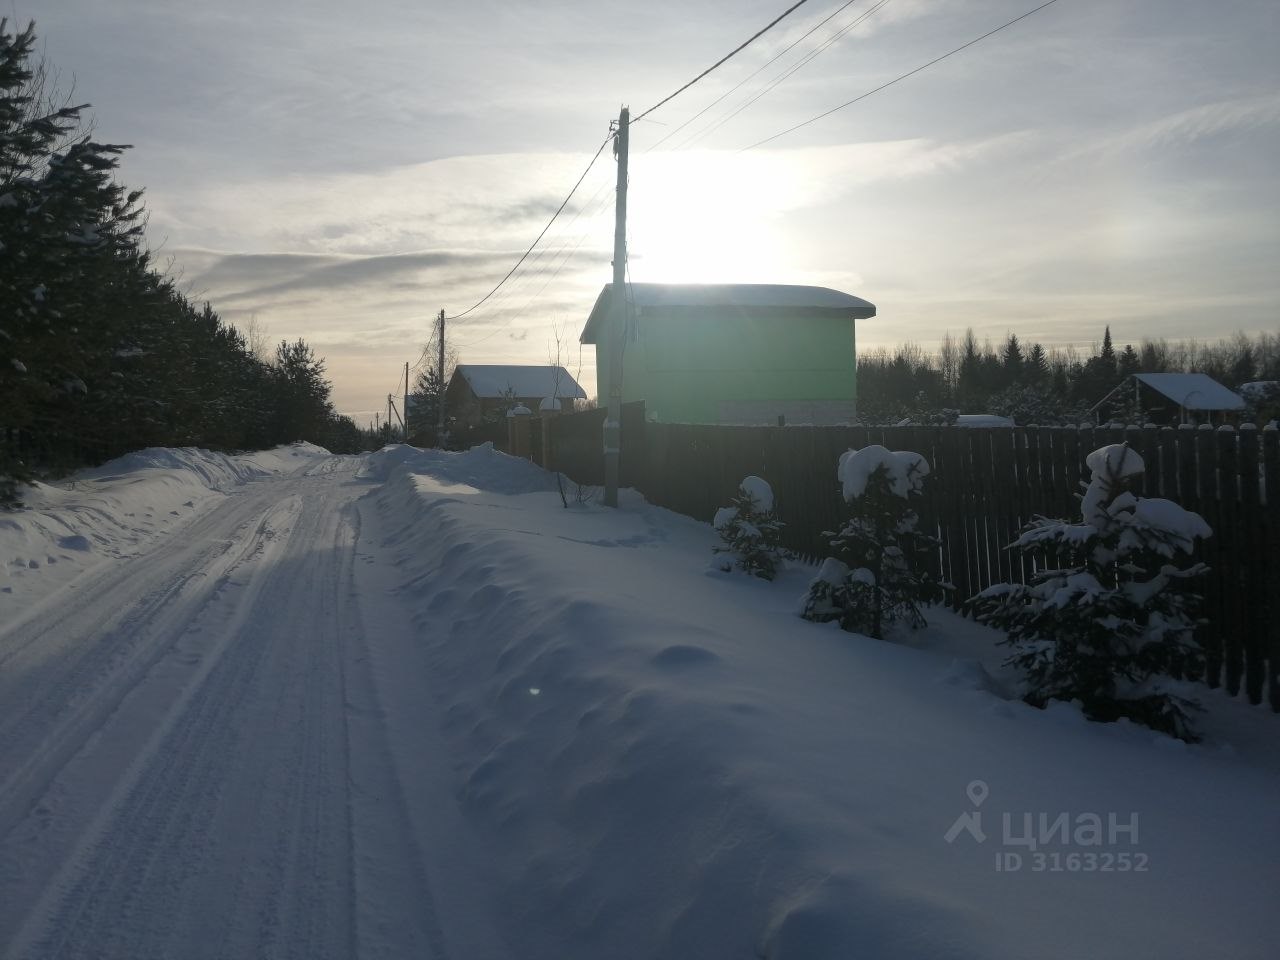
(702, 216)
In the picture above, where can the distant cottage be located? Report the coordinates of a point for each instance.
(484, 391)
(1174, 398)
(740, 353)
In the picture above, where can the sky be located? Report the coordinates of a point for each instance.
(343, 172)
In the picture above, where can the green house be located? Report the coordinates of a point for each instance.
(742, 353)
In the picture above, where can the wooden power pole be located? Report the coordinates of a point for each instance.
(404, 420)
(617, 329)
(440, 374)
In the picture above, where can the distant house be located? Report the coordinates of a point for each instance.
(1174, 398)
(741, 353)
(485, 391)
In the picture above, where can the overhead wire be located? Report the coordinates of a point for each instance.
(553, 252)
(786, 74)
(636, 119)
(723, 60)
(641, 116)
(909, 73)
(556, 252)
(756, 72)
(536, 266)
(604, 143)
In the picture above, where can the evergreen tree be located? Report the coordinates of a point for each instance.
(1108, 353)
(1104, 620)
(749, 530)
(1099, 374)
(424, 407)
(100, 354)
(302, 392)
(1012, 361)
(970, 393)
(878, 575)
(1037, 366)
(1128, 363)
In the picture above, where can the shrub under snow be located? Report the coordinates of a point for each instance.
(749, 529)
(876, 576)
(1102, 621)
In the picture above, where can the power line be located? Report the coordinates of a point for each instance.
(541, 262)
(904, 76)
(732, 53)
(560, 210)
(560, 256)
(753, 74)
(786, 74)
(756, 72)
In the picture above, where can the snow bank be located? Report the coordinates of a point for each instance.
(112, 510)
(481, 467)
(673, 764)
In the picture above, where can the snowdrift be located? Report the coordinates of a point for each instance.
(672, 764)
(112, 510)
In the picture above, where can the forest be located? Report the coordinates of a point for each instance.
(1055, 386)
(100, 352)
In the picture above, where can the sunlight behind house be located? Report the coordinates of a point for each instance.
(711, 217)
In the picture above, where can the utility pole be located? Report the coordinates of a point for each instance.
(389, 424)
(617, 329)
(405, 419)
(440, 401)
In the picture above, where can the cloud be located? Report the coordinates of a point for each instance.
(241, 277)
(1189, 126)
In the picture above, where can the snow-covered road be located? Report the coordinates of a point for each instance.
(194, 757)
(412, 704)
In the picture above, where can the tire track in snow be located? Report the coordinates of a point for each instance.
(57, 699)
(229, 834)
(164, 727)
(235, 786)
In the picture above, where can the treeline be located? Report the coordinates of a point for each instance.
(99, 352)
(1056, 386)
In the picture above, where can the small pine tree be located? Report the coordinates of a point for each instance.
(750, 529)
(1101, 622)
(877, 576)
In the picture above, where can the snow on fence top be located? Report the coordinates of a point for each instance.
(906, 470)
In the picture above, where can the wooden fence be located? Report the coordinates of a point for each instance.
(985, 485)
(577, 440)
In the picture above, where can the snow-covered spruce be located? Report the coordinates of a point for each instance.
(1102, 621)
(749, 529)
(876, 578)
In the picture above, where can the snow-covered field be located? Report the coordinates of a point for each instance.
(406, 705)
